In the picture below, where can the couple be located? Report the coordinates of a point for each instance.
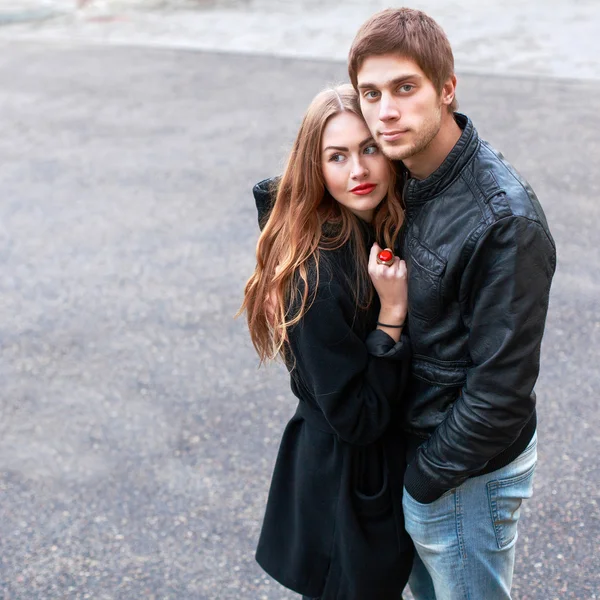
(414, 441)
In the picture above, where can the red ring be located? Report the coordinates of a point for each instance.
(385, 256)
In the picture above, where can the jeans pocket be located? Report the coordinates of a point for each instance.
(411, 500)
(505, 499)
(426, 522)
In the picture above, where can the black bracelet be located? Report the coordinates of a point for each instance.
(392, 326)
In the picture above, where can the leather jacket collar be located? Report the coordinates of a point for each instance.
(418, 191)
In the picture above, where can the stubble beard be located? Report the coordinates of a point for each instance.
(425, 136)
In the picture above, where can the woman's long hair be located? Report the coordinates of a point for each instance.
(294, 235)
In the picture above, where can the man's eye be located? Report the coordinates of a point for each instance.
(372, 149)
(406, 88)
(371, 95)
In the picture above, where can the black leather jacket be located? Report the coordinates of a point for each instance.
(480, 262)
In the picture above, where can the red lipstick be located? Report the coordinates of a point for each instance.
(363, 189)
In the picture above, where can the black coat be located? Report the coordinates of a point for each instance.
(333, 526)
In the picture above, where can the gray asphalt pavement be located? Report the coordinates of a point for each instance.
(137, 435)
(533, 38)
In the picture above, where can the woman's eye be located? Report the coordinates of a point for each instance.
(372, 149)
(336, 158)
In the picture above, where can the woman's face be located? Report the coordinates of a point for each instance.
(356, 173)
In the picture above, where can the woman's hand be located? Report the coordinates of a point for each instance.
(391, 284)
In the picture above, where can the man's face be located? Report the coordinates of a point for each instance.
(400, 105)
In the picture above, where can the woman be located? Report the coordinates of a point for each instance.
(333, 527)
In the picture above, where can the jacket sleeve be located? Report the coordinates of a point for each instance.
(506, 288)
(353, 382)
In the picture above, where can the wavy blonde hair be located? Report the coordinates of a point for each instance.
(305, 221)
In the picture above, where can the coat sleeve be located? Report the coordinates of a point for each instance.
(507, 285)
(353, 382)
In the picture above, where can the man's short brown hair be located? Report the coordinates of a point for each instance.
(408, 33)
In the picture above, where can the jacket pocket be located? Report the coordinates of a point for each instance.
(425, 271)
(442, 373)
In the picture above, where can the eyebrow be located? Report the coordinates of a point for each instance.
(392, 82)
(344, 149)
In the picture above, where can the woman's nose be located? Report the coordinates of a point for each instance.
(359, 170)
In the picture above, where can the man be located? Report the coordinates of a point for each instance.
(480, 260)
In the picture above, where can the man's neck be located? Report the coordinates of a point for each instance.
(422, 165)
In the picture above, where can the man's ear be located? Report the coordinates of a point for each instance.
(449, 90)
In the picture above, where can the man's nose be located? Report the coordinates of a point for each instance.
(387, 109)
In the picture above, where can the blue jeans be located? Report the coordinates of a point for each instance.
(466, 539)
